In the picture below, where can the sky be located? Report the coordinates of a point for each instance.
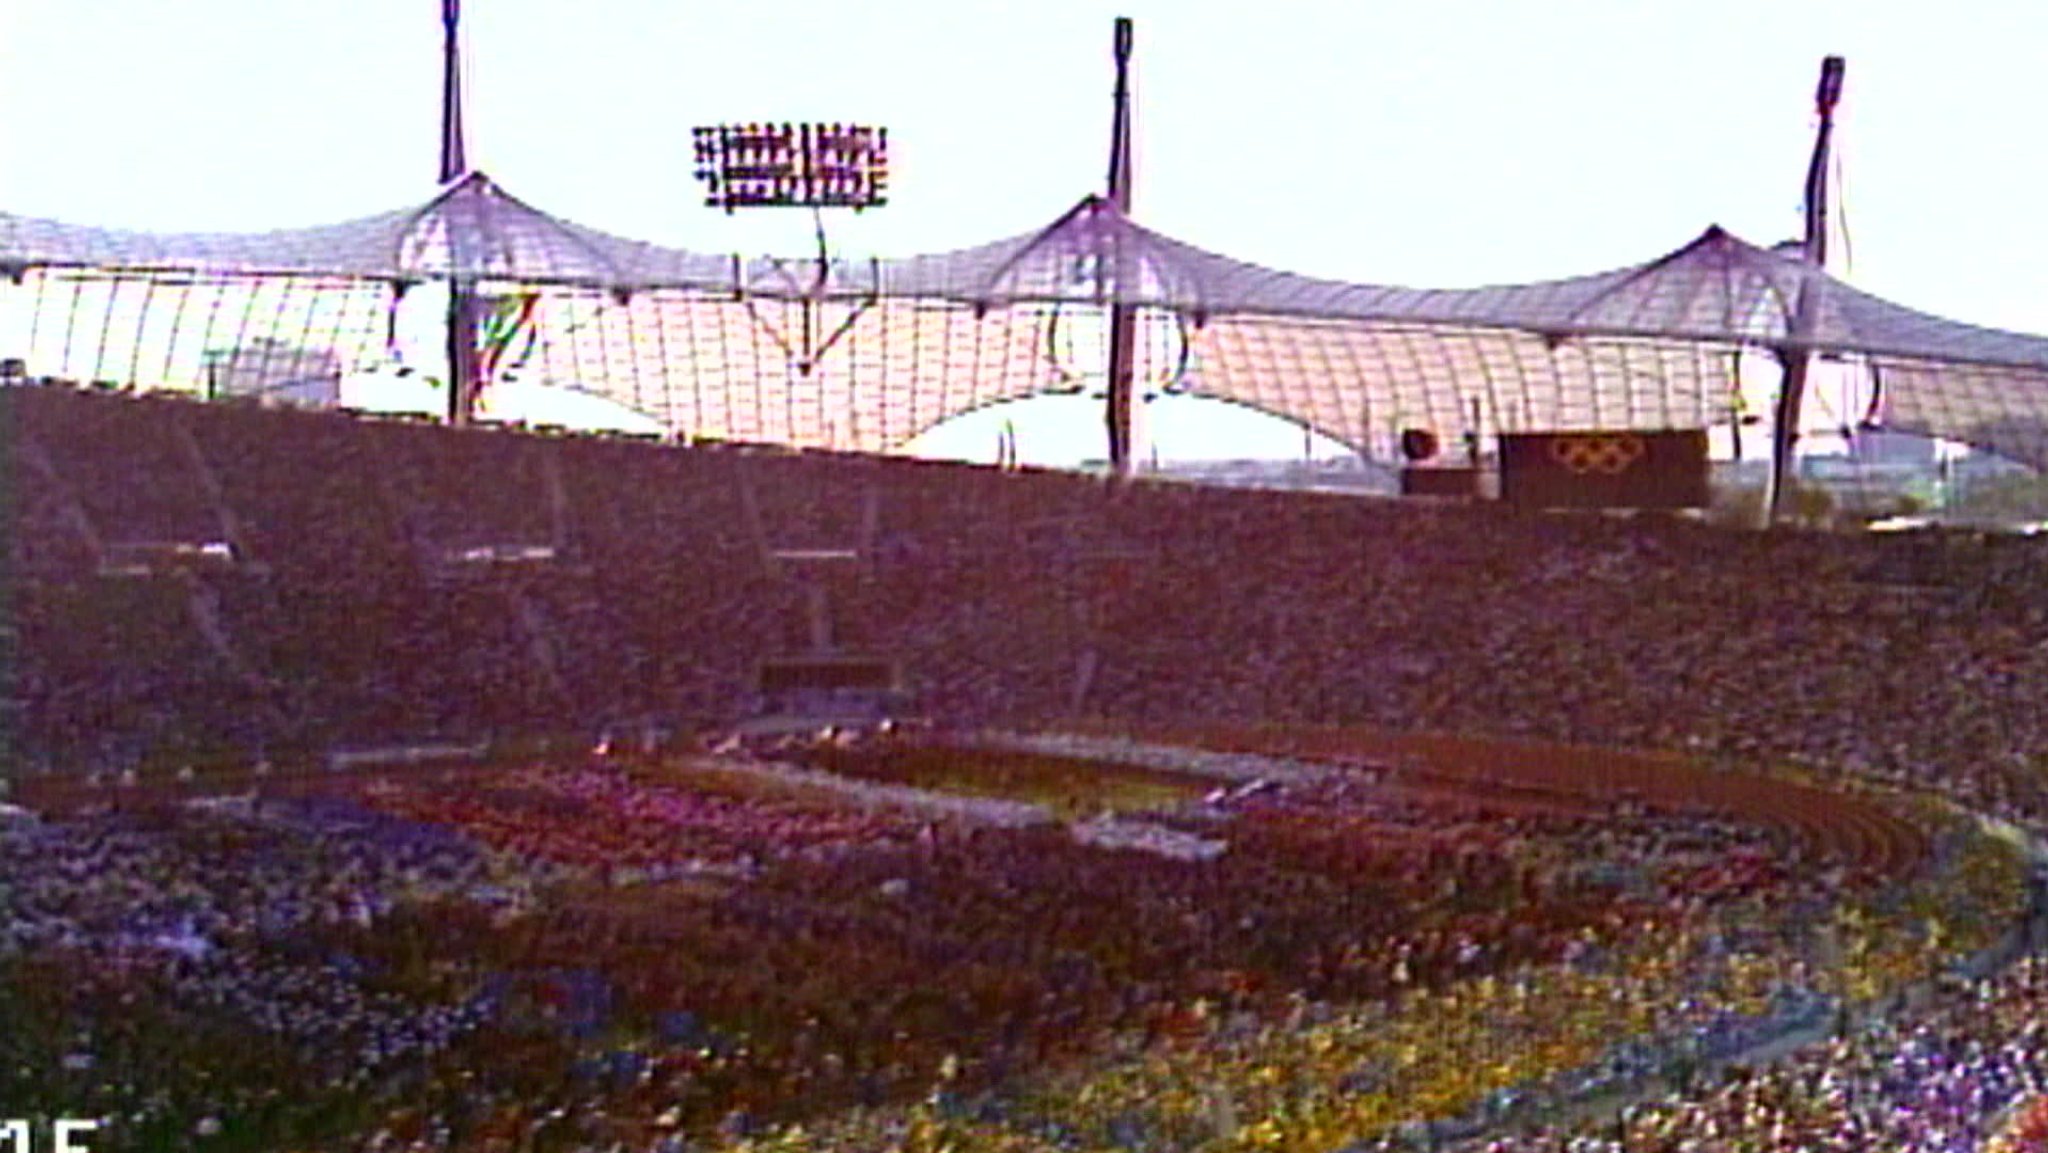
(1445, 144)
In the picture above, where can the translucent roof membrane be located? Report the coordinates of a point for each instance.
(716, 345)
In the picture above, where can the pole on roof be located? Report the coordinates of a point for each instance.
(462, 358)
(1122, 317)
(1798, 362)
(454, 162)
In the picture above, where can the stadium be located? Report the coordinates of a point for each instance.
(743, 782)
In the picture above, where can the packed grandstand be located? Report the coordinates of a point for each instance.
(380, 785)
(745, 785)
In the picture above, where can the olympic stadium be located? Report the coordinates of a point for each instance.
(736, 780)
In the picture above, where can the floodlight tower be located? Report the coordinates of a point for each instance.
(1123, 328)
(815, 166)
(1814, 249)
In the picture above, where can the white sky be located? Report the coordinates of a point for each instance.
(1448, 144)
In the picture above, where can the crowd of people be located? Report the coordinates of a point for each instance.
(1666, 998)
(389, 945)
(1029, 595)
(167, 969)
(1947, 1078)
(603, 824)
(1394, 949)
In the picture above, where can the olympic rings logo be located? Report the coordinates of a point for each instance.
(1609, 454)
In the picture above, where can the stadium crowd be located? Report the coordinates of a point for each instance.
(153, 929)
(382, 584)
(353, 619)
(1944, 1079)
(807, 983)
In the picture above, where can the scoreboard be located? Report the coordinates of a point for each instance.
(1605, 469)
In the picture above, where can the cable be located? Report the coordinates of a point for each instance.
(1842, 215)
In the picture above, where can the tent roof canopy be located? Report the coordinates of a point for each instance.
(1717, 292)
(472, 228)
(1716, 289)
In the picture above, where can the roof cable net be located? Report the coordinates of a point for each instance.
(881, 351)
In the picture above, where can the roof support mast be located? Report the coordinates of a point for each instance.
(1798, 361)
(1122, 318)
(462, 353)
